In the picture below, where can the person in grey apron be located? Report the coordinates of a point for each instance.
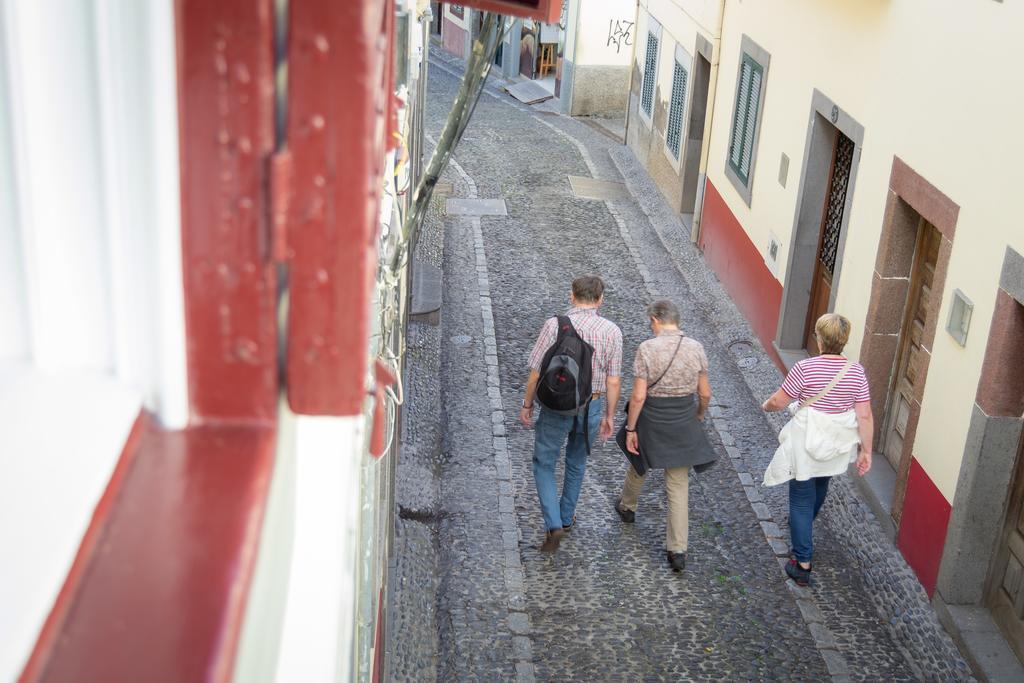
(670, 395)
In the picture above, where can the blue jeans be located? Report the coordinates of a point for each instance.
(551, 431)
(805, 500)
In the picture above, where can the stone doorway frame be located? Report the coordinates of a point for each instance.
(694, 143)
(825, 117)
(991, 452)
(910, 199)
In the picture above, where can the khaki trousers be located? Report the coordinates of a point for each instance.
(677, 489)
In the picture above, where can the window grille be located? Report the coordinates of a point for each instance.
(673, 136)
(650, 74)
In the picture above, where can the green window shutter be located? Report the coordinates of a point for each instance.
(753, 104)
(748, 103)
(673, 136)
(740, 117)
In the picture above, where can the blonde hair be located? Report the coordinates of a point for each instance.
(833, 331)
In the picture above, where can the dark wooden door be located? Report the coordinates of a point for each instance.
(828, 240)
(1006, 584)
(911, 353)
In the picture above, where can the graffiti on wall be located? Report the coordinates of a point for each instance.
(620, 34)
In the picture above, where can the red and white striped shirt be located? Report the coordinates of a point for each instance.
(601, 333)
(811, 375)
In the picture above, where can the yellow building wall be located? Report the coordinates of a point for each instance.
(933, 82)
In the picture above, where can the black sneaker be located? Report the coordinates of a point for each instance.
(568, 527)
(627, 516)
(800, 576)
(677, 560)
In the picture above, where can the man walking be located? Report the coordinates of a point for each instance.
(574, 429)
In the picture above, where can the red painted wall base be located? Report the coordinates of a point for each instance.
(453, 38)
(922, 532)
(741, 269)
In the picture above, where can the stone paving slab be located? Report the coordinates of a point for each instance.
(475, 207)
(588, 188)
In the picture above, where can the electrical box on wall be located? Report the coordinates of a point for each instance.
(959, 317)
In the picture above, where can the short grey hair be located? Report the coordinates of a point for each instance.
(664, 311)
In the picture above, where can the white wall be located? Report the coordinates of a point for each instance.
(454, 18)
(90, 255)
(51, 63)
(606, 33)
(91, 301)
(14, 340)
(317, 638)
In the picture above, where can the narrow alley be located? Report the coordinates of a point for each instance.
(473, 597)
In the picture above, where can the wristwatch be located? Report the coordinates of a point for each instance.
(631, 431)
(527, 406)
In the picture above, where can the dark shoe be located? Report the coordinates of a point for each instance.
(568, 527)
(677, 560)
(552, 541)
(704, 467)
(800, 576)
(627, 516)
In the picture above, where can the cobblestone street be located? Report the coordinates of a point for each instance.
(474, 599)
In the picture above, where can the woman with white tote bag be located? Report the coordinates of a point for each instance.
(831, 427)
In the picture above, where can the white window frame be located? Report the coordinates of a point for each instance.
(94, 176)
(653, 28)
(685, 61)
(89, 113)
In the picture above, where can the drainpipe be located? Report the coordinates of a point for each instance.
(698, 213)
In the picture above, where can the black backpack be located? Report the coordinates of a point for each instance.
(565, 372)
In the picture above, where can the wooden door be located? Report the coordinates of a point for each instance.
(910, 355)
(828, 239)
(1006, 583)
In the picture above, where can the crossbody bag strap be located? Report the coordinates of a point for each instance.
(669, 366)
(828, 387)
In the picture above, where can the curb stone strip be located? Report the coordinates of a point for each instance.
(518, 620)
(824, 640)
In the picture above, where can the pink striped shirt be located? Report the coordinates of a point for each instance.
(811, 375)
(601, 333)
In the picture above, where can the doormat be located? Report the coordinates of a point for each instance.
(529, 92)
